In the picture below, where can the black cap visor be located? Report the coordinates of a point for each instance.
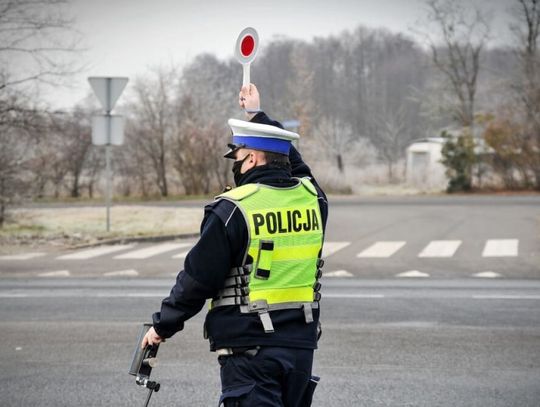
(233, 148)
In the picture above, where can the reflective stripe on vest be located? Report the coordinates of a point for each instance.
(285, 239)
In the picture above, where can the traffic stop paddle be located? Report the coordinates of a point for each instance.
(246, 49)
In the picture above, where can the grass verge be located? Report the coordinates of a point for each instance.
(83, 225)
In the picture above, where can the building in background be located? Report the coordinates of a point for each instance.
(424, 168)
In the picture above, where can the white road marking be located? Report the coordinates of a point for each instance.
(78, 293)
(59, 273)
(381, 249)
(21, 256)
(351, 295)
(181, 255)
(152, 251)
(122, 273)
(329, 248)
(440, 248)
(487, 274)
(412, 273)
(501, 248)
(13, 295)
(337, 273)
(506, 297)
(95, 252)
(131, 295)
(18, 348)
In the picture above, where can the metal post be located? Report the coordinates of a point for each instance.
(108, 192)
(108, 157)
(107, 90)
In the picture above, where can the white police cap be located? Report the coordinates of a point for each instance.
(259, 136)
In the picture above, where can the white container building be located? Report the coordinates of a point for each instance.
(424, 167)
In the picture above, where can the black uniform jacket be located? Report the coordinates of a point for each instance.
(223, 242)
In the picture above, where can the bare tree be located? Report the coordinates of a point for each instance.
(48, 165)
(37, 42)
(527, 30)
(133, 168)
(393, 136)
(94, 164)
(272, 71)
(197, 149)
(456, 51)
(300, 85)
(336, 139)
(13, 182)
(59, 153)
(151, 122)
(20, 127)
(77, 141)
(207, 98)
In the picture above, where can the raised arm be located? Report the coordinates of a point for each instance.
(250, 100)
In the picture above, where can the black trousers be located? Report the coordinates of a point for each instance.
(273, 377)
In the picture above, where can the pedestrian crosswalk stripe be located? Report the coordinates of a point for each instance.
(21, 256)
(412, 273)
(337, 273)
(501, 248)
(59, 273)
(181, 255)
(152, 251)
(440, 248)
(382, 249)
(329, 248)
(95, 252)
(122, 273)
(487, 274)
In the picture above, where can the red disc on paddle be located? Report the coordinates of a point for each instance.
(248, 45)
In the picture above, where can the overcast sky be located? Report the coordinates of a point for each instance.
(125, 37)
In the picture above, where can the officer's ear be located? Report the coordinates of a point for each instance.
(253, 159)
(259, 158)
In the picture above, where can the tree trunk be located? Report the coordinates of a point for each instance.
(2, 213)
(162, 181)
(390, 172)
(75, 193)
(2, 204)
(340, 163)
(537, 176)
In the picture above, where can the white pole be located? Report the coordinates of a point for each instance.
(246, 79)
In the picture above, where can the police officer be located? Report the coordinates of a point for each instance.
(258, 259)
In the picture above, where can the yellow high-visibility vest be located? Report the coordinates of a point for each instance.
(284, 246)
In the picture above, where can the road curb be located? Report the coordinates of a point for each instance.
(135, 239)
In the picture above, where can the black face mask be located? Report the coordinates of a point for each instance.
(237, 166)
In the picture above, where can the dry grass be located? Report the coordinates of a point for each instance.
(367, 181)
(88, 224)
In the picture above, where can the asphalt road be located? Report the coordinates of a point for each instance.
(68, 342)
(439, 237)
(472, 220)
(447, 337)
